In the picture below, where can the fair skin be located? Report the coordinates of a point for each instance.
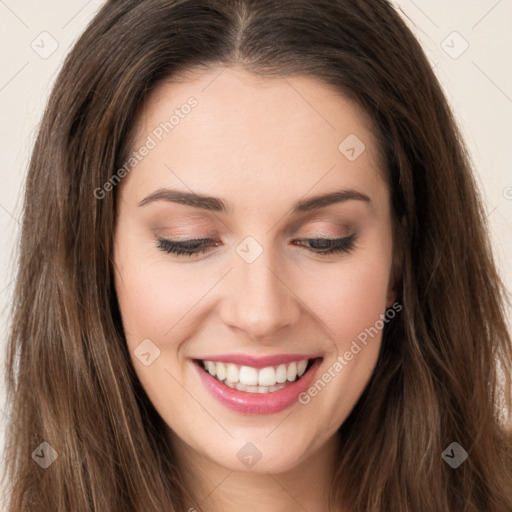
(261, 145)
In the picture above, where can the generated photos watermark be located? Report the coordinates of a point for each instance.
(343, 360)
(157, 135)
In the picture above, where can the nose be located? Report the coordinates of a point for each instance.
(260, 302)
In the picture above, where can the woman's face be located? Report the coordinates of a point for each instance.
(291, 332)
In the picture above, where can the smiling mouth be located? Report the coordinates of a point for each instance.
(256, 380)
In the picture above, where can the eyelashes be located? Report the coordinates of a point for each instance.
(324, 246)
(186, 248)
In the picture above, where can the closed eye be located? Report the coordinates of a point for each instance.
(320, 246)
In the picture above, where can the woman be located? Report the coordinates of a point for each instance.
(255, 273)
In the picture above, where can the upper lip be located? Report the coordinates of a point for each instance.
(257, 362)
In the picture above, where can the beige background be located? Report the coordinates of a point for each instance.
(35, 35)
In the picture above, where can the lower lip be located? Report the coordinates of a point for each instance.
(258, 403)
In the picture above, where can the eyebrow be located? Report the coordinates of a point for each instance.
(216, 204)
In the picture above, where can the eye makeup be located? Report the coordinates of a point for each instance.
(320, 246)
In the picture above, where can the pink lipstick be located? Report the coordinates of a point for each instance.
(257, 385)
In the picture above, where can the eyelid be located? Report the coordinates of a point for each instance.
(338, 222)
(195, 246)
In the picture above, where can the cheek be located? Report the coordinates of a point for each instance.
(352, 302)
(155, 297)
(350, 295)
(156, 304)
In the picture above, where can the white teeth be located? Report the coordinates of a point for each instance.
(267, 376)
(291, 374)
(281, 374)
(221, 372)
(248, 376)
(301, 368)
(254, 389)
(232, 373)
(253, 380)
(211, 367)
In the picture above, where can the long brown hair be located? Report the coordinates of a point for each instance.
(444, 371)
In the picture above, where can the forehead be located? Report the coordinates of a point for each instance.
(248, 133)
